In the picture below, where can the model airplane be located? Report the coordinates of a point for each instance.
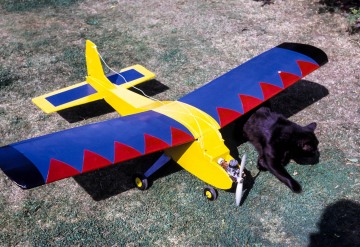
(186, 130)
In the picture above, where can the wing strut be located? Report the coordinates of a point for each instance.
(141, 181)
(157, 165)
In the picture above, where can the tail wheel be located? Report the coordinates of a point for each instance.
(141, 182)
(210, 193)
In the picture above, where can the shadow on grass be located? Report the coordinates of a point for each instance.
(6, 77)
(114, 180)
(298, 97)
(20, 5)
(86, 111)
(333, 5)
(150, 88)
(265, 2)
(100, 107)
(339, 226)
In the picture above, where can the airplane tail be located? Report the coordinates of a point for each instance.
(98, 86)
(96, 76)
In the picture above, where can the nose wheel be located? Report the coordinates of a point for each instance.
(210, 193)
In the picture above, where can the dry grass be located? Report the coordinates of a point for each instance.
(186, 43)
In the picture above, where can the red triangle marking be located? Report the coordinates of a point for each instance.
(306, 67)
(226, 115)
(269, 90)
(249, 102)
(153, 144)
(288, 79)
(124, 152)
(59, 170)
(179, 137)
(93, 161)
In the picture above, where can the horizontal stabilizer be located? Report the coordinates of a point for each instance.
(82, 93)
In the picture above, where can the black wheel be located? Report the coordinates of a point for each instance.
(141, 182)
(210, 193)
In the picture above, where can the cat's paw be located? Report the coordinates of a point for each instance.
(295, 187)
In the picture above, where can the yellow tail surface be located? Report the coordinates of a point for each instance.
(98, 86)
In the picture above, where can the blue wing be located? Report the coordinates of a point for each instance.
(67, 153)
(243, 88)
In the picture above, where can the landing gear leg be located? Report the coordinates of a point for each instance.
(141, 181)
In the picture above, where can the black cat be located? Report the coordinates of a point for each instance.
(278, 140)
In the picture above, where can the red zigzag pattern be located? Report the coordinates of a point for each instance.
(269, 90)
(92, 161)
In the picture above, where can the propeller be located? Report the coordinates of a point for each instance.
(240, 181)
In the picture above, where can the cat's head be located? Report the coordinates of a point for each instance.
(307, 146)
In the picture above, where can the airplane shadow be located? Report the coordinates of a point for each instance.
(100, 107)
(298, 97)
(289, 102)
(339, 226)
(113, 180)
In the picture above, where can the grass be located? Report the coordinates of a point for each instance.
(354, 20)
(351, 8)
(74, 57)
(20, 5)
(5, 77)
(186, 45)
(175, 211)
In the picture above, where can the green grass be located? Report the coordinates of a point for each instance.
(74, 57)
(173, 210)
(93, 20)
(21, 5)
(350, 8)
(354, 20)
(6, 78)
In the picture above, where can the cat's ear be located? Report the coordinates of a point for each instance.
(311, 126)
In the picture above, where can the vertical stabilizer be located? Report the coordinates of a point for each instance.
(94, 67)
(125, 102)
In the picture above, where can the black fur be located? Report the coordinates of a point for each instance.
(278, 140)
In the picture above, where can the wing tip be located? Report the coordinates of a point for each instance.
(313, 52)
(19, 168)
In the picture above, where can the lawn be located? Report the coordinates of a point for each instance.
(187, 44)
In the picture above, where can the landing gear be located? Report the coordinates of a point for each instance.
(141, 182)
(210, 193)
